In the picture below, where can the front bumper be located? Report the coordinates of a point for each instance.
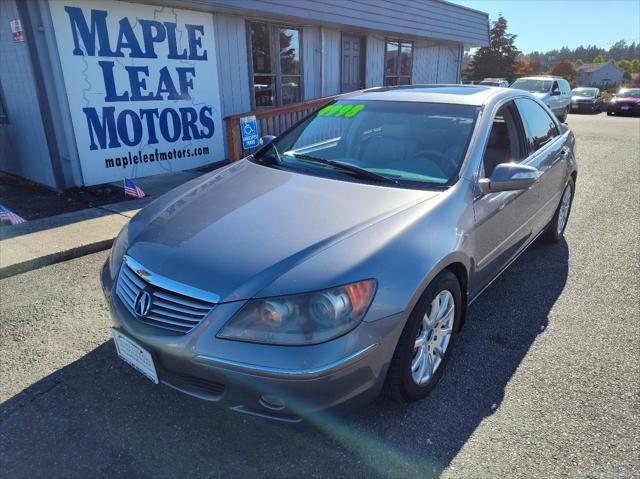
(279, 382)
(583, 106)
(631, 108)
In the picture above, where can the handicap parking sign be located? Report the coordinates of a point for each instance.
(249, 131)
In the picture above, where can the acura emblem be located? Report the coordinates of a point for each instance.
(143, 303)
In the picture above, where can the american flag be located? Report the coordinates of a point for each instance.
(7, 215)
(131, 189)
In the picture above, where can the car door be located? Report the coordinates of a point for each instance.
(547, 152)
(565, 89)
(502, 219)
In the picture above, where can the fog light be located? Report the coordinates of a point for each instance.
(272, 402)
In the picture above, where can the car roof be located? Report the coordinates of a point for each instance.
(541, 77)
(457, 94)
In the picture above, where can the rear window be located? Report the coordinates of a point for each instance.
(532, 84)
(409, 143)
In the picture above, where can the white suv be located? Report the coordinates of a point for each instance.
(554, 92)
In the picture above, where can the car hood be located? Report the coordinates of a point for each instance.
(582, 98)
(234, 231)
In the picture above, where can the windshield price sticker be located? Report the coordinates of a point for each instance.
(337, 110)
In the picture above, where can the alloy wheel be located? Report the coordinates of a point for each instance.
(563, 213)
(433, 337)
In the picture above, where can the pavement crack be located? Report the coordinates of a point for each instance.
(31, 399)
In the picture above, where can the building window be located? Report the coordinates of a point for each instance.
(398, 62)
(276, 68)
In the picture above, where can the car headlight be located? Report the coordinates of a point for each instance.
(302, 319)
(118, 249)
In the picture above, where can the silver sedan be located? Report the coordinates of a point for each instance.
(340, 259)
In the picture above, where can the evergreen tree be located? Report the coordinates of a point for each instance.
(499, 58)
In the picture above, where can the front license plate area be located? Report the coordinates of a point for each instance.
(135, 355)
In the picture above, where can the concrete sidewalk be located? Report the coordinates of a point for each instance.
(53, 239)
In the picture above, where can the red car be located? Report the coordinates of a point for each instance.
(626, 101)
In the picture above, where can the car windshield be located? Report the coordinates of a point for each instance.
(410, 144)
(585, 92)
(532, 84)
(490, 83)
(633, 93)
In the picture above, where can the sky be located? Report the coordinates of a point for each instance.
(543, 25)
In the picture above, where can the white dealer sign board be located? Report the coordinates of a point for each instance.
(142, 86)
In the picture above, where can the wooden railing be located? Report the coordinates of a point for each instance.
(271, 121)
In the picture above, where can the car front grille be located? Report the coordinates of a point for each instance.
(168, 310)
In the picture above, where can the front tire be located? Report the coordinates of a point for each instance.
(426, 342)
(555, 229)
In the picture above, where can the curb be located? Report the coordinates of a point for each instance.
(54, 258)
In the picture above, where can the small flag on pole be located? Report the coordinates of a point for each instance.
(7, 215)
(131, 189)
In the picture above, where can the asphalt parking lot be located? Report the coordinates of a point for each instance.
(543, 383)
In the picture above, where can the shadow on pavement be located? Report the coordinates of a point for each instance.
(97, 417)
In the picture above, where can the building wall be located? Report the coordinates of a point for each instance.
(374, 68)
(331, 64)
(312, 62)
(608, 75)
(233, 63)
(419, 18)
(23, 143)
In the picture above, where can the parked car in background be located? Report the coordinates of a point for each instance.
(341, 257)
(626, 101)
(586, 99)
(501, 82)
(554, 92)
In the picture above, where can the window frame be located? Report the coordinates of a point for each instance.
(530, 147)
(274, 44)
(397, 74)
(523, 142)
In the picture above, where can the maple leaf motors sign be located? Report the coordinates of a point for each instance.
(142, 86)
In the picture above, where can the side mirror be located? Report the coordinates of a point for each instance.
(509, 177)
(265, 140)
(555, 92)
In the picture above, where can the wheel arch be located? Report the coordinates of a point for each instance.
(460, 271)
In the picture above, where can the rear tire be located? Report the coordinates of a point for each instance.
(555, 229)
(609, 113)
(418, 342)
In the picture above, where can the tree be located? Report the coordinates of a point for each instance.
(566, 70)
(535, 67)
(579, 62)
(499, 58)
(599, 58)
